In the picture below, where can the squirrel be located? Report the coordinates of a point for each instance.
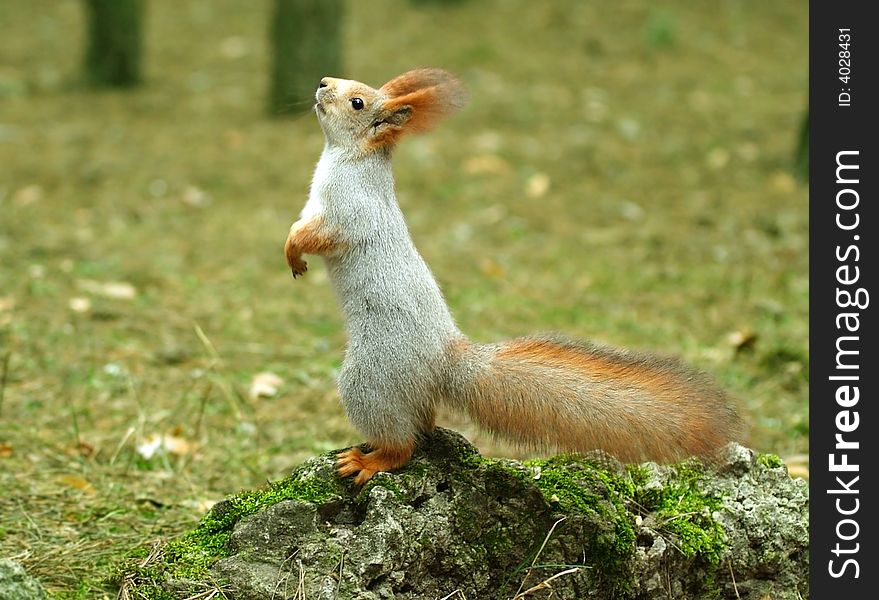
(405, 354)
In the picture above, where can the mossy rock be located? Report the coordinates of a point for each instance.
(16, 584)
(589, 527)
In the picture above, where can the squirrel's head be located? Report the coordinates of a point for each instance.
(361, 119)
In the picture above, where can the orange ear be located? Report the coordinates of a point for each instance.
(418, 79)
(426, 96)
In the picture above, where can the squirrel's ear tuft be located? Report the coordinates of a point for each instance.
(429, 94)
(446, 88)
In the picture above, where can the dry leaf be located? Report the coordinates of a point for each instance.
(742, 340)
(177, 445)
(83, 449)
(631, 210)
(486, 164)
(5, 449)
(718, 158)
(492, 214)
(537, 185)
(700, 100)
(77, 482)
(201, 506)
(629, 128)
(748, 151)
(27, 195)
(233, 138)
(80, 304)
(595, 109)
(156, 443)
(150, 446)
(118, 290)
(158, 188)
(114, 369)
(233, 47)
(784, 182)
(491, 268)
(193, 196)
(264, 385)
(488, 141)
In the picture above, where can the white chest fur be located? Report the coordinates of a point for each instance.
(315, 204)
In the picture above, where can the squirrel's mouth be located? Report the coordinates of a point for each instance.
(321, 96)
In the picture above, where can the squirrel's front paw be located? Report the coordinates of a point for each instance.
(294, 258)
(297, 266)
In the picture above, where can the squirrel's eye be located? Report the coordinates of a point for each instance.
(357, 103)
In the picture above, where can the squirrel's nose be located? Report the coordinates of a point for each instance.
(323, 83)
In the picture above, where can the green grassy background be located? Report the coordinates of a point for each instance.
(623, 173)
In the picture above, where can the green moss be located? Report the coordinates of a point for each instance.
(682, 508)
(569, 472)
(638, 473)
(685, 510)
(415, 471)
(507, 477)
(497, 541)
(583, 486)
(231, 510)
(191, 555)
(387, 483)
(470, 456)
(770, 461)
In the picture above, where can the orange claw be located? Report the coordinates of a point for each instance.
(383, 458)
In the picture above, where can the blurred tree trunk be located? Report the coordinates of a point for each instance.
(801, 154)
(306, 46)
(112, 57)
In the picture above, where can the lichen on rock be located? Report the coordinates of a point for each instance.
(16, 584)
(454, 524)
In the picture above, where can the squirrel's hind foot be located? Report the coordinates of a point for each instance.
(365, 465)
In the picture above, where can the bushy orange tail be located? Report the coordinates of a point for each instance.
(555, 393)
